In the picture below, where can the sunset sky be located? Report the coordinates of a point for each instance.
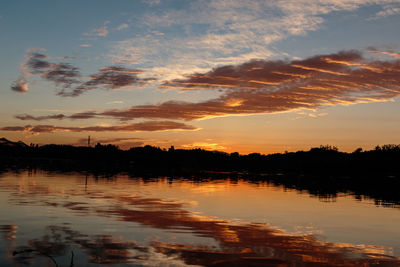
(246, 76)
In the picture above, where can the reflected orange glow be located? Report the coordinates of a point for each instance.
(237, 242)
(9, 231)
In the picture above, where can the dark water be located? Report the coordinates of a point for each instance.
(122, 221)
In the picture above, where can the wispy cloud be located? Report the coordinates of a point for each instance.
(115, 77)
(112, 77)
(388, 10)
(385, 52)
(70, 81)
(100, 31)
(21, 84)
(122, 27)
(116, 102)
(152, 2)
(62, 74)
(233, 32)
(25, 117)
(60, 116)
(150, 126)
(74, 58)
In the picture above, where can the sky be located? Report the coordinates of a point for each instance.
(229, 75)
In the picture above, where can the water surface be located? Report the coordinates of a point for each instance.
(124, 220)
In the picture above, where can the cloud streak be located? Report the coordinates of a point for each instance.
(113, 77)
(70, 81)
(151, 126)
(25, 117)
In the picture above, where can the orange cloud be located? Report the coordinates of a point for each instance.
(262, 86)
(151, 126)
(387, 52)
(341, 78)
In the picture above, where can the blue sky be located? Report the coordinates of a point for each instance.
(118, 60)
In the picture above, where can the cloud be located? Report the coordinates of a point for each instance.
(112, 77)
(83, 115)
(231, 32)
(258, 74)
(150, 126)
(385, 52)
(37, 62)
(115, 77)
(85, 45)
(270, 86)
(388, 10)
(122, 27)
(100, 31)
(116, 102)
(25, 117)
(74, 58)
(263, 86)
(152, 2)
(62, 74)
(20, 85)
(69, 80)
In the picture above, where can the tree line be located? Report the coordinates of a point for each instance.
(323, 171)
(384, 160)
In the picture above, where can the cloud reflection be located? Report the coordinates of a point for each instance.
(246, 244)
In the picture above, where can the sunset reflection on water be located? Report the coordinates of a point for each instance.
(213, 223)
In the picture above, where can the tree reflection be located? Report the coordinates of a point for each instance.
(250, 244)
(238, 244)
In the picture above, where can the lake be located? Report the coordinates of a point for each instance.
(50, 218)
